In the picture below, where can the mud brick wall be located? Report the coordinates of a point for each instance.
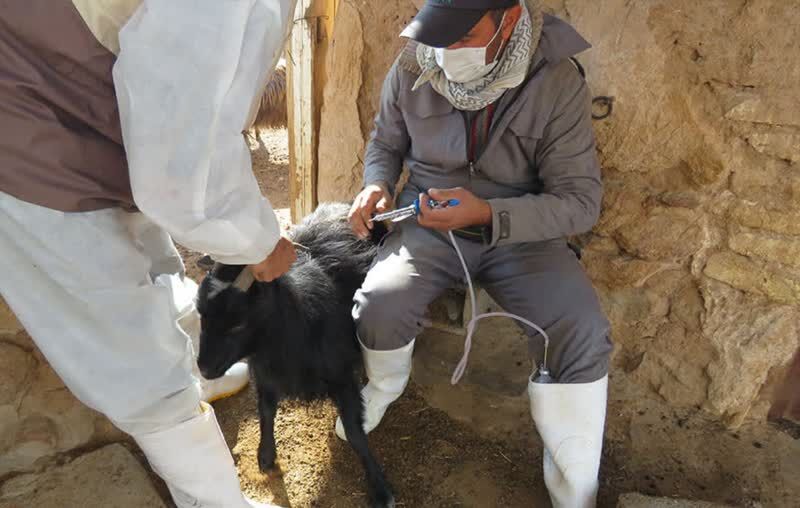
(697, 254)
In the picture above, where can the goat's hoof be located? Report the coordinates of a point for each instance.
(266, 461)
(382, 500)
(275, 472)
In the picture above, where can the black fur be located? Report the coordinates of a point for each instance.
(298, 332)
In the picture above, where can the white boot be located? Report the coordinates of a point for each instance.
(234, 381)
(388, 373)
(570, 419)
(236, 378)
(194, 461)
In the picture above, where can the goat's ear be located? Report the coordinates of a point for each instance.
(215, 269)
(201, 298)
(206, 263)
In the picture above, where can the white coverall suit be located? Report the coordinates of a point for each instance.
(101, 292)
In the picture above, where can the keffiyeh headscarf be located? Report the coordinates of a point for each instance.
(509, 72)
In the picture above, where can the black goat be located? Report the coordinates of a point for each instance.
(298, 332)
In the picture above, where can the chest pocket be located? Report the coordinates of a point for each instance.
(511, 160)
(435, 128)
(525, 131)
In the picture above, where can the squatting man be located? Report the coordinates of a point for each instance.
(120, 130)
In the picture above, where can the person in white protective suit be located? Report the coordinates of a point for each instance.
(120, 129)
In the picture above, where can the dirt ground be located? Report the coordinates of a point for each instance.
(432, 460)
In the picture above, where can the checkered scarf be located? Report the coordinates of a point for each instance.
(509, 72)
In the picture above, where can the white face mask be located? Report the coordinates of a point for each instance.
(463, 65)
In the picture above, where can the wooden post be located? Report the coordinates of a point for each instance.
(302, 118)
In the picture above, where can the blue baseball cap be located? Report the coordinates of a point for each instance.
(441, 23)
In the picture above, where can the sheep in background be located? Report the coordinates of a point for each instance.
(272, 108)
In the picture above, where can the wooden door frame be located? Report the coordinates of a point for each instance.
(305, 65)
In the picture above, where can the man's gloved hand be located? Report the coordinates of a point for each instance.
(277, 263)
(471, 210)
(374, 198)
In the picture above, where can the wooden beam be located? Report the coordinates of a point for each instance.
(302, 118)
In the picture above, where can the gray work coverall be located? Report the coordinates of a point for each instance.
(540, 173)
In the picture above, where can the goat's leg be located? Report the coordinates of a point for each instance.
(351, 410)
(267, 409)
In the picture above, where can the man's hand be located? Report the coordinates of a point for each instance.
(277, 263)
(374, 198)
(470, 211)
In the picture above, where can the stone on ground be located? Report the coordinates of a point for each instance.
(109, 477)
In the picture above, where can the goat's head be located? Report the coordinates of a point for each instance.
(226, 335)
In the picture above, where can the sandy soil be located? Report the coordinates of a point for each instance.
(435, 461)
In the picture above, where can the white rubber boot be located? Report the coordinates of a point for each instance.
(234, 381)
(194, 461)
(388, 373)
(570, 419)
(236, 378)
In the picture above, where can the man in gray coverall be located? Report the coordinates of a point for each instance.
(485, 106)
